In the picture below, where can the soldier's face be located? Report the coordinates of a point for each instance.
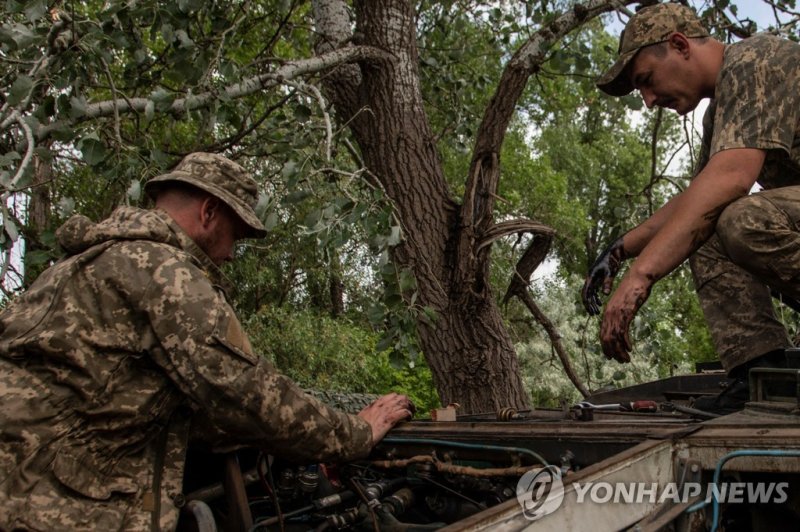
(666, 80)
(221, 235)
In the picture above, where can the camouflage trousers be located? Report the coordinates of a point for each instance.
(756, 248)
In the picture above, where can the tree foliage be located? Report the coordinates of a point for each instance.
(99, 96)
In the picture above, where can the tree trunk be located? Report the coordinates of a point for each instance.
(467, 347)
(38, 214)
(446, 246)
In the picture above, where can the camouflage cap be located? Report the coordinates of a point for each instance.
(222, 178)
(650, 25)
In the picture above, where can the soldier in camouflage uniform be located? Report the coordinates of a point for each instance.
(740, 245)
(125, 350)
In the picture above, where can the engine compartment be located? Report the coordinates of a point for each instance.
(465, 474)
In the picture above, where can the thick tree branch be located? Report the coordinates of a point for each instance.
(555, 340)
(484, 172)
(512, 227)
(287, 71)
(518, 287)
(26, 161)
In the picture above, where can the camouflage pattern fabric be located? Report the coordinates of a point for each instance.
(113, 360)
(349, 402)
(758, 106)
(757, 241)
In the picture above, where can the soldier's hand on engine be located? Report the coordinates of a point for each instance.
(385, 412)
(601, 276)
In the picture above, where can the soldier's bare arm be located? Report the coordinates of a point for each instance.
(729, 175)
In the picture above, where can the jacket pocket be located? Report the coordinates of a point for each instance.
(79, 476)
(229, 332)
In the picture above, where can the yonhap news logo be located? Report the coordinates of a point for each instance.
(654, 493)
(540, 492)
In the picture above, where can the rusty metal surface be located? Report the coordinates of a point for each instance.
(664, 389)
(621, 448)
(622, 426)
(650, 461)
(239, 516)
(746, 430)
(590, 442)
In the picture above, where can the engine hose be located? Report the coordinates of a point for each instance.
(718, 472)
(444, 467)
(461, 445)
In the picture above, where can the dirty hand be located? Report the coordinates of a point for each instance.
(385, 412)
(601, 275)
(620, 311)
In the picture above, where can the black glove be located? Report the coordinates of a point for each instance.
(601, 275)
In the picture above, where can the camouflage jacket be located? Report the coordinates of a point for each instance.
(113, 359)
(757, 105)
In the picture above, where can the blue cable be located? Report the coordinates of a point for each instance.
(718, 471)
(461, 445)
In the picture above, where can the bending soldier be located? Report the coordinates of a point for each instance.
(127, 348)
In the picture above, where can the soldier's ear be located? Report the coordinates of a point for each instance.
(680, 43)
(209, 210)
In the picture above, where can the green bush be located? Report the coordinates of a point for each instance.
(324, 353)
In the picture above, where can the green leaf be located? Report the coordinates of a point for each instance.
(430, 61)
(48, 107)
(289, 169)
(375, 314)
(19, 89)
(431, 314)
(296, 197)
(302, 113)
(62, 130)
(167, 32)
(48, 238)
(77, 106)
(37, 257)
(312, 218)
(11, 229)
(8, 159)
(35, 10)
(397, 360)
(633, 102)
(394, 301)
(261, 205)
(394, 236)
(134, 191)
(140, 56)
(271, 221)
(162, 99)
(66, 206)
(189, 6)
(93, 151)
(184, 39)
(45, 154)
(22, 36)
(227, 69)
(407, 281)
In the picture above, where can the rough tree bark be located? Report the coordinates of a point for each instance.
(39, 210)
(446, 245)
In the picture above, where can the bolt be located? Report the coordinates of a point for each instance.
(178, 499)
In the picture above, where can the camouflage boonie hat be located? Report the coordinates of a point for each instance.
(650, 25)
(222, 178)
